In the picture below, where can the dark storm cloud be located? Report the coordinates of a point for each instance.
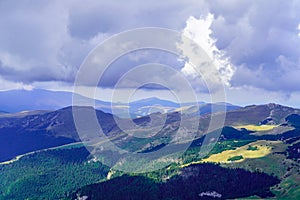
(127, 62)
(48, 40)
(261, 38)
(31, 39)
(115, 16)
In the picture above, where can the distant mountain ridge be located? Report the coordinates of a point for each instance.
(14, 101)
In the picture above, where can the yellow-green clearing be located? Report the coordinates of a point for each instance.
(263, 148)
(252, 127)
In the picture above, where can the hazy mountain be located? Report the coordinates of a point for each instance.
(154, 101)
(37, 99)
(206, 108)
(23, 100)
(13, 101)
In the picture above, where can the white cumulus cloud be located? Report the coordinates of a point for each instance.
(199, 30)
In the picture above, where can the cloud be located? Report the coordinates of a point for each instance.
(46, 41)
(115, 16)
(199, 30)
(31, 41)
(261, 39)
(9, 85)
(284, 78)
(125, 63)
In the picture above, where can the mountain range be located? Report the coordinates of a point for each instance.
(256, 154)
(33, 130)
(14, 101)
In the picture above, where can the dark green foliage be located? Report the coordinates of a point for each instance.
(163, 174)
(229, 145)
(124, 187)
(234, 158)
(230, 183)
(294, 151)
(49, 174)
(252, 148)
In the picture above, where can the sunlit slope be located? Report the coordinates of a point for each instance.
(262, 148)
(252, 127)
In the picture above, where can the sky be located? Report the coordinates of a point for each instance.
(255, 44)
